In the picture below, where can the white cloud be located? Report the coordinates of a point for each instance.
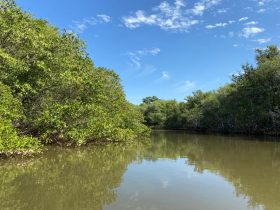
(243, 19)
(235, 45)
(105, 18)
(251, 31)
(155, 51)
(219, 25)
(81, 26)
(263, 40)
(261, 11)
(185, 86)
(200, 7)
(166, 16)
(251, 23)
(267, 6)
(164, 76)
(174, 17)
(263, 2)
(140, 18)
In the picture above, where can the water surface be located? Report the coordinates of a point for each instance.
(175, 171)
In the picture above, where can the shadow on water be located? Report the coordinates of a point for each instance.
(89, 178)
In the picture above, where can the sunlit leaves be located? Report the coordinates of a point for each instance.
(64, 96)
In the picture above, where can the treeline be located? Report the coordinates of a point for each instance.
(249, 104)
(50, 90)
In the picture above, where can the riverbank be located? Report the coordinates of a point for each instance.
(221, 132)
(260, 137)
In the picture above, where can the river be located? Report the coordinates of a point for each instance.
(173, 171)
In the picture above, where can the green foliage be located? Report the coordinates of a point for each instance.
(10, 112)
(149, 100)
(64, 96)
(250, 104)
(160, 113)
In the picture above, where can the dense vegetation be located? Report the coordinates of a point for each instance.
(50, 89)
(10, 111)
(249, 104)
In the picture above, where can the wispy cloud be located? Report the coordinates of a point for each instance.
(263, 40)
(146, 69)
(153, 51)
(140, 18)
(224, 24)
(173, 17)
(220, 25)
(137, 56)
(251, 23)
(135, 59)
(104, 18)
(164, 76)
(201, 6)
(82, 25)
(243, 19)
(185, 86)
(251, 31)
(267, 6)
(222, 11)
(263, 2)
(261, 10)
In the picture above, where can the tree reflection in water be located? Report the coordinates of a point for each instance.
(88, 178)
(252, 166)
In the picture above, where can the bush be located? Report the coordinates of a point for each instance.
(10, 141)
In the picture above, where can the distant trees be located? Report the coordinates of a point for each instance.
(62, 95)
(250, 104)
(160, 113)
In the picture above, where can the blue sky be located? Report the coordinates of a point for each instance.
(167, 48)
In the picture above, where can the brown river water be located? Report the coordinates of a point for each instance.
(173, 171)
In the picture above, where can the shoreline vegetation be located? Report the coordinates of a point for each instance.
(52, 93)
(250, 104)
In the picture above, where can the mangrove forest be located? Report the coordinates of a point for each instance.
(250, 104)
(51, 91)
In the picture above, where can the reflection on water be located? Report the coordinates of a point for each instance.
(65, 179)
(175, 171)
